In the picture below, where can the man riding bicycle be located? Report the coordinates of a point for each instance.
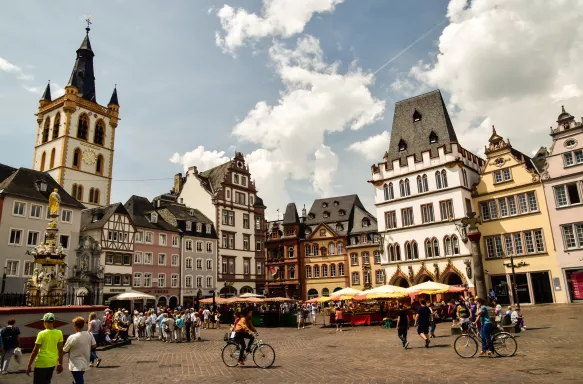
(243, 331)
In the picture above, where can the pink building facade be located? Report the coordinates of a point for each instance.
(156, 264)
(563, 183)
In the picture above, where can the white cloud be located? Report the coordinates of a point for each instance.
(12, 69)
(283, 18)
(56, 90)
(201, 158)
(372, 148)
(508, 63)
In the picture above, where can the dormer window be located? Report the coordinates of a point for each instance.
(191, 212)
(342, 212)
(308, 230)
(311, 216)
(198, 227)
(432, 138)
(336, 203)
(353, 241)
(154, 217)
(188, 226)
(365, 222)
(416, 116)
(402, 145)
(339, 227)
(324, 205)
(326, 214)
(208, 228)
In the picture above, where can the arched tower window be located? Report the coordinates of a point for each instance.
(74, 191)
(46, 128)
(91, 195)
(435, 247)
(425, 183)
(428, 249)
(79, 193)
(77, 158)
(386, 191)
(43, 158)
(99, 165)
(438, 179)
(432, 138)
(416, 116)
(444, 178)
(83, 127)
(96, 196)
(52, 160)
(56, 126)
(99, 132)
(402, 145)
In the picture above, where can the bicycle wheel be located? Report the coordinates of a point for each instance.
(230, 354)
(465, 346)
(505, 344)
(264, 356)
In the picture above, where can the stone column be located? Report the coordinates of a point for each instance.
(479, 280)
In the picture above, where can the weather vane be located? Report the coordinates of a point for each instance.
(88, 20)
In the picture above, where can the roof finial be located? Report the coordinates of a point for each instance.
(88, 20)
(563, 108)
(493, 130)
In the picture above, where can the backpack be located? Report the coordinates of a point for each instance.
(9, 336)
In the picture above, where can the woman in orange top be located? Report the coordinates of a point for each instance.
(243, 329)
(339, 319)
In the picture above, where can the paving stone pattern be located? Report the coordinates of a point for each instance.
(549, 352)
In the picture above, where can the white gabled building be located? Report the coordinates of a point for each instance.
(422, 188)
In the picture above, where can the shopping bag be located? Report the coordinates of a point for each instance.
(18, 355)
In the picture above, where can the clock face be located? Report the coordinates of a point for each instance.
(89, 157)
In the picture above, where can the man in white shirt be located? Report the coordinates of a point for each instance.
(206, 313)
(79, 346)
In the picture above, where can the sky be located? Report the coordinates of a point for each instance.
(304, 88)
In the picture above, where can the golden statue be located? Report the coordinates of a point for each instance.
(54, 202)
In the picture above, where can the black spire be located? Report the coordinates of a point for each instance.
(83, 76)
(113, 99)
(47, 93)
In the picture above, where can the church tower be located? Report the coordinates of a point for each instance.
(76, 135)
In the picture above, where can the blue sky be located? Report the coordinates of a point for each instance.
(180, 89)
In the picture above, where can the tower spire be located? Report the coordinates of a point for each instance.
(113, 100)
(83, 75)
(47, 93)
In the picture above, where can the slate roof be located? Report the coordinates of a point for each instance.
(332, 205)
(527, 160)
(291, 214)
(96, 218)
(47, 93)
(183, 214)
(212, 178)
(83, 75)
(540, 158)
(357, 218)
(113, 99)
(21, 183)
(259, 202)
(139, 208)
(434, 118)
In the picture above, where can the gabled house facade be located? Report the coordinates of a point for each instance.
(227, 195)
(24, 196)
(114, 230)
(563, 183)
(157, 248)
(364, 252)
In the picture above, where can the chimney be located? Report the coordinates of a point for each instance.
(304, 214)
(177, 183)
(193, 170)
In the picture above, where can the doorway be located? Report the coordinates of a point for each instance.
(541, 287)
(522, 288)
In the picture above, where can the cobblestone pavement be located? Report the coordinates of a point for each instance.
(549, 352)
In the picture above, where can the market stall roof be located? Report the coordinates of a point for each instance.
(432, 288)
(249, 294)
(218, 300)
(133, 295)
(314, 300)
(244, 300)
(278, 299)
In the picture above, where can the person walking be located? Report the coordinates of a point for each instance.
(483, 316)
(403, 325)
(206, 313)
(313, 310)
(422, 320)
(338, 318)
(47, 352)
(10, 337)
(218, 318)
(78, 346)
(94, 327)
(178, 329)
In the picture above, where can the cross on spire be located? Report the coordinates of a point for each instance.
(88, 20)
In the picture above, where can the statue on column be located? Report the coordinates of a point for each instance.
(54, 202)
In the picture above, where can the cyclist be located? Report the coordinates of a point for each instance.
(243, 330)
(486, 333)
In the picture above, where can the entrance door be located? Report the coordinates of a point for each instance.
(522, 288)
(575, 283)
(541, 287)
(500, 285)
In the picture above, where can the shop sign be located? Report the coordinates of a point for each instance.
(161, 291)
(189, 292)
(117, 290)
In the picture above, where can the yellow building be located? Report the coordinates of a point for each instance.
(511, 201)
(364, 256)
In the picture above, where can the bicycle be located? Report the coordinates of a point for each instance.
(263, 354)
(466, 345)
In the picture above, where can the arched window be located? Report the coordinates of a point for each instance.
(415, 250)
(435, 248)
(386, 191)
(425, 183)
(465, 177)
(316, 271)
(56, 126)
(52, 159)
(308, 248)
(402, 188)
(419, 185)
(331, 248)
(46, 128)
(444, 178)
(391, 192)
(315, 250)
(402, 145)
(77, 158)
(428, 249)
(432, 138)
(324, 271)
(391, 251)
(91, 195)
(455, 245)
(438, 179)
(325, 292)
(340, 248)
(407, 188)
(447, 245)
(397, 252)
(74, 191)
(308, 271)
(80, 192)
(83, 127)
(341, 269)
(332, 270)
(99, 165)
(408, 252)
(290, 252)
(43, 158)
(99, 132)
